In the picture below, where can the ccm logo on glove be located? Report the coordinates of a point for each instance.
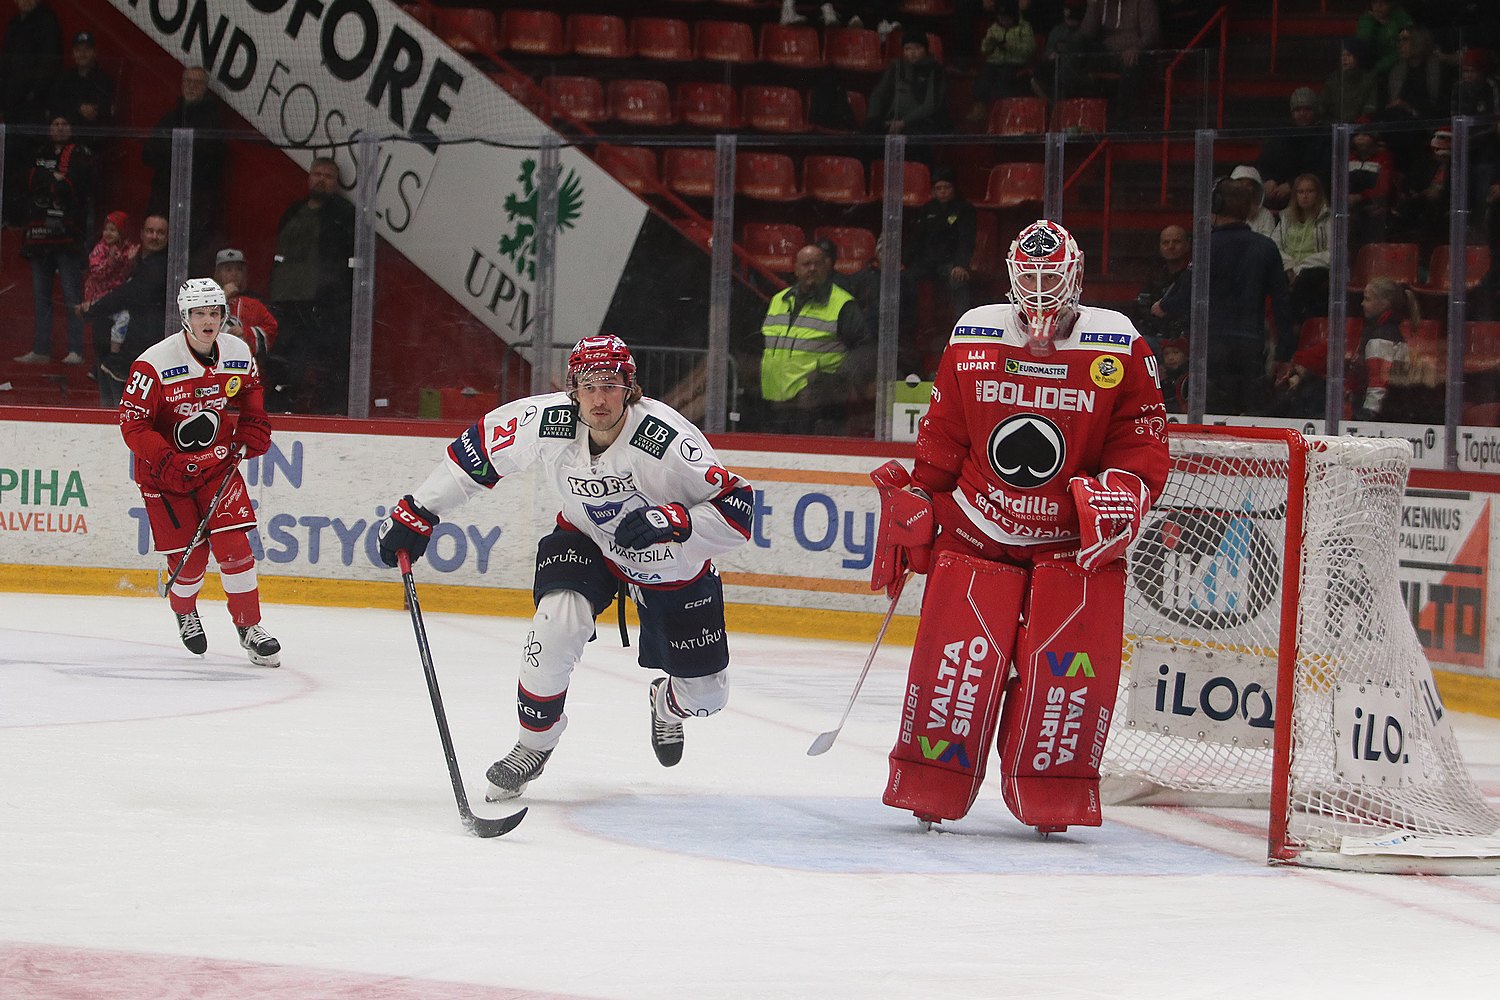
(648, 526)
(409, 527)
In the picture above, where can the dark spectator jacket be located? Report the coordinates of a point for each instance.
(30, 57)
(335, 247)
(1301, 151)
(57, 210)
(1244, 268)
(144, 294)
(73, 90)
(915, 93)
(1160, 282)
(942, 234)
(208, 152)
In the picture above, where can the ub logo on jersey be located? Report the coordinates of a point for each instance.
(197, 432)
(559, 422)
(1026, 451)
(1107, 372)
(653, 437)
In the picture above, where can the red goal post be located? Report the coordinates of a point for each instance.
(1270, 660)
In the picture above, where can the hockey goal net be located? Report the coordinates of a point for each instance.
(1270, 661)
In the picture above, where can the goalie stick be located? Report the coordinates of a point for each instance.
(477, 825)
(202, 532)
(824, 742)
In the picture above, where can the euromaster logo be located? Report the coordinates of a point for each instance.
(1069, 664)
(944, 751)
(1031, 369)
(520, 245)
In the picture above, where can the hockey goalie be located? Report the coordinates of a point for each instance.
(1043, 448)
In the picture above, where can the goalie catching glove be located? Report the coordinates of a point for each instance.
(906, 528)
(409, 527)
(648, 526)
(1110, 511)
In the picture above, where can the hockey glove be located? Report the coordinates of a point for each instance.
(1110, 511)
(648, 526)
(184, 471)
(906, 528)
(253, 433)
(409, 527)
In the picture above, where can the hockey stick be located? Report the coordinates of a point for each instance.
(477, 825)
(202, 532)
(825, 740)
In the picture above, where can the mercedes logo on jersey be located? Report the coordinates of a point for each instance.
(1026, 451)
(198, 431)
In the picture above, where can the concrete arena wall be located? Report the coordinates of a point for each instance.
(72, 521)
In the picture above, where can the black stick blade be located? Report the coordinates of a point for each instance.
(486, 828)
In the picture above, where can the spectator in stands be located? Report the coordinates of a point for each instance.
(1421, 213)
(1244, 272)
(312, 291)
(1417, 84)
(1476, 94)
(816, 350)
(1302, 236)
(1059, 73)
(1174, 374)
(84, 91)
(60, 180)
(1382, 348)
(828, 102)
(30, 57)
(144, 296)
(1379, 27)
(110, 264)
(1352, 92)
(1175, 247)
(864, 285)
(1306, 149)
(939, 245)
(1371, 184)
(249, 318)
(1262, 220)
(197, 109)
(911, 95)
(1124, 29)
(1009, 49)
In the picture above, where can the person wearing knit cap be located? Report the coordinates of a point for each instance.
(939, 246)
(110, 263)
(1351, 93)
(911, 95)
(1306, 148)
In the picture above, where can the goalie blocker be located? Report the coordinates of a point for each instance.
(1057, 703)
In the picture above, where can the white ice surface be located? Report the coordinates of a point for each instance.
(182, 827)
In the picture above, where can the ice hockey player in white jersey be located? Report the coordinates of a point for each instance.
(646, 504)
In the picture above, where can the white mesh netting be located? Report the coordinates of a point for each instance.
(1371, 753)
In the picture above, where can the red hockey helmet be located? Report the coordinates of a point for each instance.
(601, 360)
(1046, 278)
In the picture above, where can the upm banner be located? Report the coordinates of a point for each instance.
(315, 75)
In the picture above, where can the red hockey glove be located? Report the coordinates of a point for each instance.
(184, 471)
(906, 528)
(1110, 511)
(409, 527)
(253, 433)
(648, 526)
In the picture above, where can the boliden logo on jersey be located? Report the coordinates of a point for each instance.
(235, 364)
(1036, 397)
(1026, 451)
(232, 387)
(653, 437)
(978, 331)
(1112, 339)
(602, 514)
(197, 432)
(1031, 369)
(1107, 372)
(559, 422)
(1069, 664)
(173, 374)
(605, 486)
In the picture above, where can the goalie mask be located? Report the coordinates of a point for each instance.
(196, 293)
(1046, 280)
(602, 360)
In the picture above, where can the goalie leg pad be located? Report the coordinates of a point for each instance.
(970, 614)
(1058, 706)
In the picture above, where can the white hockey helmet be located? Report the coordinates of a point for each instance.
(199, 292)
(602, 360)
(1046, 278)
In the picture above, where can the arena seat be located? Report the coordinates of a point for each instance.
(838, 180)
(773, 245)
(854, 50)
(1476, 266)
(1018, 116)
(856, 245)
(1080, 114)
(725, 41)
(468, 29)
(792, 45)
(708, 105)
(668, 39)
(633, 166)
(1397, 261)
(916, 188)
(533, 32)
(1012, 185)
(766, 177)
(599, 36)
(773, 109)
(640, 102)
(579, 97)
(689, 171)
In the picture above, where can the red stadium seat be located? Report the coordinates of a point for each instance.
(689, 171)
(1018, 116)
(1080, 114)
(773, 109)
(633, 166)
(916, 188)
(469, 30)
(793, 45)
(708, 105)
(1476, 266)
(1012, 185)
(599, 36)
(533, 32)
(773, 245)
(856, 245)
(1428, 330)
(579, 97)
(766, 177)
(839, 180)
(665, 38)
(1397, 261)
(640, 102)
(725, 41)
(1482, 339)
(855, 50)
(522, 89)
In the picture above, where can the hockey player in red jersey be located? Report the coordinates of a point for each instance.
(192, 406)
(1043, 448)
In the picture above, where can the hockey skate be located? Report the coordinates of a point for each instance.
(510, 776)
(263, 649)
(666, 735)
(190, 629)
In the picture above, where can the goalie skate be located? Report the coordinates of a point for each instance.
(264, 650)
(190, 630)
(510, 775)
